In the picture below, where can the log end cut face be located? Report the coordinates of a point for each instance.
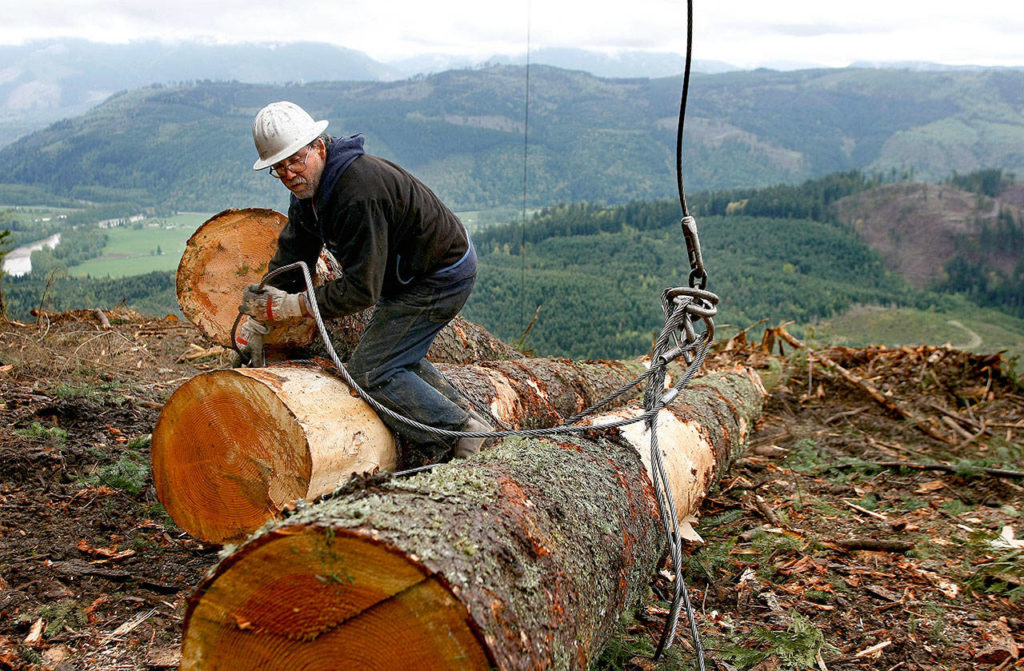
(227, 253)
(227, 456)
(312, 597)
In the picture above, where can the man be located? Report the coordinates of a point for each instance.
(401, 249)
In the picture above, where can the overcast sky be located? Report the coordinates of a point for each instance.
(745, 33)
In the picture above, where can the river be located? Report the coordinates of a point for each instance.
(19, 260)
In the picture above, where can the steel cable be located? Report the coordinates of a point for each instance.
(681, 306)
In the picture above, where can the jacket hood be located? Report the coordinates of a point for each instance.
(340, 154)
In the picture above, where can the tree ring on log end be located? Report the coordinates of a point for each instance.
(227, 456)
(225, 254)
(316, 597)
(228, 252)
(232, 448)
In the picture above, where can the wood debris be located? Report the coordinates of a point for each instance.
(843, 582)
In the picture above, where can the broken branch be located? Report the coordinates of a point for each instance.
(874, 544)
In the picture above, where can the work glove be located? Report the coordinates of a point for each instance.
(249, 341)
(270, 304)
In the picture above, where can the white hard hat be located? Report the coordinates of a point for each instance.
(280, 129)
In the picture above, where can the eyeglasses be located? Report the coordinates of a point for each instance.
(296, 166)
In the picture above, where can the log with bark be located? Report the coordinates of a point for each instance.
(521, 557)
(233, 448)
(232, 249)
(226, 253)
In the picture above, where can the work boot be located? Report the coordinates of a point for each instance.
(468, 445)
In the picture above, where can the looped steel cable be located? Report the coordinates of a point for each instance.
(679, 319)
(681, 305)
(679, 338)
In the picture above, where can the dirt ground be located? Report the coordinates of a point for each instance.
(858, 532)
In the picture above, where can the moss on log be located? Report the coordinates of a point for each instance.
(528, 553)
(522, 557)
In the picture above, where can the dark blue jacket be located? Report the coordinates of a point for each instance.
(384, 226)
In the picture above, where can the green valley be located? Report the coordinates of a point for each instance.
(817, 192)
(588, 282)
(147, 245)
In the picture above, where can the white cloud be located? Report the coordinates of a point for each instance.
(742, 32)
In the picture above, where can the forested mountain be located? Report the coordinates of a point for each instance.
(593, 274)
(43, 81)
(589, 139)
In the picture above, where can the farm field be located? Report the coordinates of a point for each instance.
(32, 222)
(29, 214)
(157, 245)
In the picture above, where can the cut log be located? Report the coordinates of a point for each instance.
(227, 253)
(522, 557)
(233, 448)
(699, 437)
(231, 250)
(460, 342)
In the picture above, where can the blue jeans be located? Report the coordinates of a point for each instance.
(389, 364)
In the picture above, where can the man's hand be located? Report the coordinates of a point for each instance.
(270, 304)
(249, 341)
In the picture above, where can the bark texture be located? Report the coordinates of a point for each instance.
(539, 392)
(460, 342)
(522, 557)
(509, 537)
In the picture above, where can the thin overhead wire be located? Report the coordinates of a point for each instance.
(682, 107)
(526, 155)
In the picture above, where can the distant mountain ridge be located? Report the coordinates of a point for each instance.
(47, 80)
(44, 81)
(590, 138)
